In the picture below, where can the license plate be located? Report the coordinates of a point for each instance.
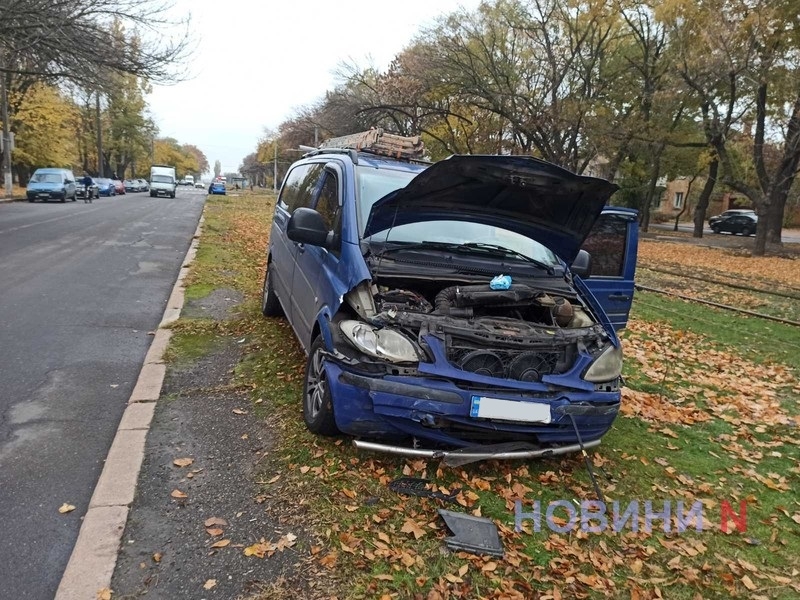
(509, 410)
(44, 195)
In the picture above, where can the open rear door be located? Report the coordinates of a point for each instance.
(612, 245)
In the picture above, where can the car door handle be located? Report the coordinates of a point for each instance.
(300, 247)
(623, 297)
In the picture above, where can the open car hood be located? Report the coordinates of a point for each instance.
(522, 194)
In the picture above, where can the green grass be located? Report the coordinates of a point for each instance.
(635, 461)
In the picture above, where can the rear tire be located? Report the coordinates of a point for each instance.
(317, 400)
(747, 231)
(715, 229)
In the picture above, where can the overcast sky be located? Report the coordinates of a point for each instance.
(255, 62)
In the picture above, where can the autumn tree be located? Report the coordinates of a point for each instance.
(741, 61)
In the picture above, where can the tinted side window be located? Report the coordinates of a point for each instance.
(328, 201)
(606, 245)
(298, 189)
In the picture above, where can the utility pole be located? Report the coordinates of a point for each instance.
(275, 170)
(100, 170)
(6, 135)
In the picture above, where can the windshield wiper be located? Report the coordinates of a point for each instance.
(503, 251)
(491, 249)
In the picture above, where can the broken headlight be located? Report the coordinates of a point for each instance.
(606, 367)
(386, 344)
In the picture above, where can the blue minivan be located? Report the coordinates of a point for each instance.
(51, 183)
(391, 273)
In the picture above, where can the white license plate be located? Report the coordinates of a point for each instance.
(509, 410)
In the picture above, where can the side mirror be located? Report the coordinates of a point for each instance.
(582, 265)
(307, 227)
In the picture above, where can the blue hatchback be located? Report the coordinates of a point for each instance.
(386, 268)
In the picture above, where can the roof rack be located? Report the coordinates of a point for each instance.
(377, 141)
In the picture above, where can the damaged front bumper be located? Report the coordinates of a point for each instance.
(463, 456)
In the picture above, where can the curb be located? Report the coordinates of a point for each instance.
(91, 564)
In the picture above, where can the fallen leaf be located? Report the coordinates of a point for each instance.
(220, 544)
(104, 594)
(65, 508)
(214, 531)
(176, 493)
(411, 527)
(182, 462)
(274, 479)
(239, 411)
(209, 584)
(215, 521)
(748, 583)
(157, 557)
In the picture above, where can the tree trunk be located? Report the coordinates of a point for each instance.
(655, 170)
(705, 197)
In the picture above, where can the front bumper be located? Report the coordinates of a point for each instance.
(46, 194)
(456, 457)
(394, 407)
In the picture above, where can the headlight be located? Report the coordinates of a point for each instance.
(606, 367)
(380, 343)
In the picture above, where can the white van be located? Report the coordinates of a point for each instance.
(162, 181)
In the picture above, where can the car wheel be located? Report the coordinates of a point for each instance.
(75, 197)
(31, 199)
(317, 400)
(715, 229)
(63, 198)
(747, 231)
(270, 305)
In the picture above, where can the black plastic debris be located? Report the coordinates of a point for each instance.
(473, 534)
(415, 486)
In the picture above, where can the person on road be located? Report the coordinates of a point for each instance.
(87, 187)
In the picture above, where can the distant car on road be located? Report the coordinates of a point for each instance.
(217, 187)
(746, 224)
(105, 187)
(730, 213)
(199, 184)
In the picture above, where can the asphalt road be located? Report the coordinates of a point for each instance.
(81, 285)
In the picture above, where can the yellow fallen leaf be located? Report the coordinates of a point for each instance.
(157, 557)
(748, 583)
(65, 508)
(182, 462)
(220, 544)
(209, 584)
(104, 594)
(176, 493)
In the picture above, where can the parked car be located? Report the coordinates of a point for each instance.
(199, 184)
(730, 213)
(105, 187)
(51, 183)
(144, 185)
(746, 224)
(390, 274)
(217, 187)
(93, 192)
(119, 187)
(132, 185)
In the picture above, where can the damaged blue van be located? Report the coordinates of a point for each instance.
(383, 265)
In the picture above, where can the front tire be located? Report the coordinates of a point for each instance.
(317, 400)
(270, 305)
(747, 232)
(715, 229)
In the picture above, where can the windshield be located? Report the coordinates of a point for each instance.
(162, 179)
(46, 178)
(461, 232)
(374, 184)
